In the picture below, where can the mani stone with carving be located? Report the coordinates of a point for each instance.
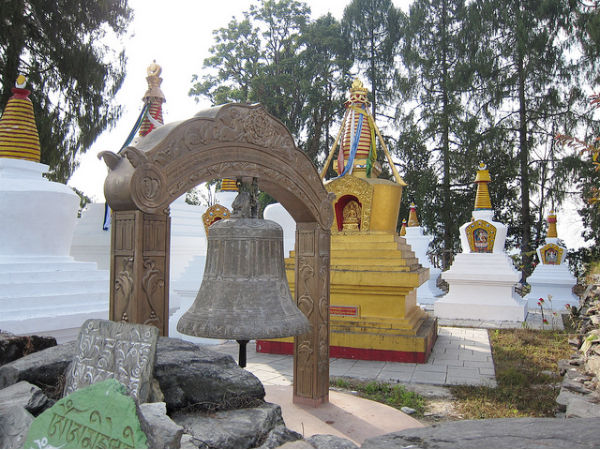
(122, 351)
(99, 416)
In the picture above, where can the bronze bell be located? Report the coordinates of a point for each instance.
(244, 293)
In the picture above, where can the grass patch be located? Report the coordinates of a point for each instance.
(526, 373)
(394, 395)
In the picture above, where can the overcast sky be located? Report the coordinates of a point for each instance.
(178, 35)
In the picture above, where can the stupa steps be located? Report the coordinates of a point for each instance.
(52, 276)
(41, 265)
(54, 303)
(17, 290)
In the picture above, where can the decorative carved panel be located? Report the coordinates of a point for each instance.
(551, 254)
(354, 187)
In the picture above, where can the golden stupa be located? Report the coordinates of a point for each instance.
(374, 274)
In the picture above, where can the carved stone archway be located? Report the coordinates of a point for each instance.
(222, 142)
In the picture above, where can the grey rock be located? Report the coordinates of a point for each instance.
(330, 441)
(565, 397)
(194, 376)
(580, 407)
(46, 369)
(160, 430)
(26, 395)
(187, 441)
(14, 347)
(238, 428)
(279, 436)
(14, 425)
(495, 433)
(575, 386)
(408, 410)
(114, 350)
(592, 364)
(189, 375)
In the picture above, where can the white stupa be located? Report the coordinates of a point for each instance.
(482, 278)
(43, 290)
(551, 279)
(419, 242)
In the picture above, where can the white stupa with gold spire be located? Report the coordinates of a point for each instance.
(551, 279)
(482, 278)
(419, 242)
(43, 290)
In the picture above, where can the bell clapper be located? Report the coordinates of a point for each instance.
(242, 353)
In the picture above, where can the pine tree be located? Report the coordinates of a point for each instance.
(72, 72)
(373, 28)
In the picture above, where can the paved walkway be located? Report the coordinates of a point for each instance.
(460, 356)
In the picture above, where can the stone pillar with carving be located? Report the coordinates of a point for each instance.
(140, 259)
(311, 355)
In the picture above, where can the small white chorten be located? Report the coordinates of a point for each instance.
(482, 278)
(43, 290)
(551, 279)
(419, 242)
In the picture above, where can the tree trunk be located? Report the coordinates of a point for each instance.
(524, 171)
(447, 217)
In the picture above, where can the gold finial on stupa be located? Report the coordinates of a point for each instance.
(358, 94)
(403, 228)
(153, 98)
(19, 137)
(154, 81)
(413, 221)
(228, 185)
(552, 225)
(482, 198)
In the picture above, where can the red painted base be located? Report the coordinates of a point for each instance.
(363, 354)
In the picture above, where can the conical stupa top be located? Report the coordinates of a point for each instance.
(552, 225)
(403, 228)
(154, 98)
(228, 185)
(482, 198)
(19, 137)
(413, 221)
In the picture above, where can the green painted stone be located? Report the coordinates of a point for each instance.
(99, 416)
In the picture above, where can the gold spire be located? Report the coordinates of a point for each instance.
(19, 137)
(413, 221)
(552, 225)
(482, 198)
(403, 229)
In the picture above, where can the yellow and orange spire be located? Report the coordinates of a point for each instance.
(552, 225)
(403, 229)
(413, 221)
(154, 98)
(228, 185)
(482, 198)
(19, 137)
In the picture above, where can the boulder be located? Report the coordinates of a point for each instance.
(46, 369)
(238, 428)
(580, 407)
(161, 431)
(189, 375)
(330, 441)
(194, 376)
(14, 424)
(495, 433)
(14, 347)
(565, 397)
(26, 395)
(279, 436)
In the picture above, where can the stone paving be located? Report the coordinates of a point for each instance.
(460, 356)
